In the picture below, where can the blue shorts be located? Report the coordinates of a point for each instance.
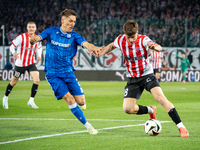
(61, 84)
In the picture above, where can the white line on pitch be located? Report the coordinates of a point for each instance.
(64, 119)
(67, 133)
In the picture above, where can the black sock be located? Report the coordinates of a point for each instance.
(8, 89)
(174, 115)
(142, 110)
(34, 90)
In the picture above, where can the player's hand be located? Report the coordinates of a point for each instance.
(97, 50)
(101, 53)
(151, 45)
(16, 55)
(38, 58)
(33, 40)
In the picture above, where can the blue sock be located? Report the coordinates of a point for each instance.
(78, 113)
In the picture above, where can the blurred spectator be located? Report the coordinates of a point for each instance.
(161, 19)
(195, 36)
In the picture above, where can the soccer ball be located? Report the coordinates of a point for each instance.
(152, 127)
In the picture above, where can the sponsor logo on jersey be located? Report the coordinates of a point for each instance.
(60, 44)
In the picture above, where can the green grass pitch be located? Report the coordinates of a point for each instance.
(53, 126)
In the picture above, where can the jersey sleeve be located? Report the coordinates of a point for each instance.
(79, 39)
(146, 40)
(17, 41)
(161, 54)
(188, 62)
(12, 48)
(45, 33)
(39, 49)
(116, 43)
(178, 57)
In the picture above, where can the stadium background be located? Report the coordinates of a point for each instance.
(173, 24)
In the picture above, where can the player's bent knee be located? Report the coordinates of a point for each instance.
(81, 102)
(37, 81)
(129, 110)
(80, 99)
(68, 99)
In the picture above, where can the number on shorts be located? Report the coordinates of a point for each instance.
(126, 92)
(17, 74)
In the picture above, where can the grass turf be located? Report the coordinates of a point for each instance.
(117, 130)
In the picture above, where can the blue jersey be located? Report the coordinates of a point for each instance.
(60, 49)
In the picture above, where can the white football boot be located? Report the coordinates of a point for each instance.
(92, 130)
(32, 104)
(5, 102)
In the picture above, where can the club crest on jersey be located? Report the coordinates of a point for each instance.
(69, 36)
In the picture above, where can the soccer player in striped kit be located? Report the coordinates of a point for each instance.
(136, 49)
(25, 60)
(61, 47)
(157, 60)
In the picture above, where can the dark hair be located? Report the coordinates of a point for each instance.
(130, 27)
(68, 12)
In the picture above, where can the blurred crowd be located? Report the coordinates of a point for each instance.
(169, 23)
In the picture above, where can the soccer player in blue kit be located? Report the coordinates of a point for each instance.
(61, 47)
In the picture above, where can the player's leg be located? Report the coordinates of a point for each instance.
(16, 74)
(78, 113)
(80, 99)
(130, 107)
(77, 91)
(133, 92)
(183, 78)
(69, 99)
(8, 90)
(169, 107)
(61, 90)
(36, 79)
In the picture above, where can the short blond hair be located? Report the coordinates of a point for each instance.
(31, 22)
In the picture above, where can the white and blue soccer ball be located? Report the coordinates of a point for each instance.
(152, 127)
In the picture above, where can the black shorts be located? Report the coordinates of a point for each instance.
(20, 70)
(135, 86)
(157, 70)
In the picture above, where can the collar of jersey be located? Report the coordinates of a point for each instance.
(64, 32)
(29, 35)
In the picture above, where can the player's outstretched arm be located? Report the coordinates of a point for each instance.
(106, 50)
(155, 47)
(93, 49)
(34, 39)
(174, 54)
